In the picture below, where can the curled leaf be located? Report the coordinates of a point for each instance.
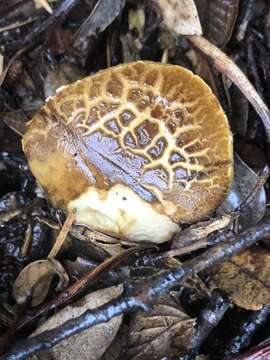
(246, 278)
(244, 182)
(165, 331)
(91, 343)
(102, 15)
(218, 19)
(35, 279)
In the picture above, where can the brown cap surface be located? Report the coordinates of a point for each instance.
(155, 128)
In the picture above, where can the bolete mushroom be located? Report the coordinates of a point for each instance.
(136, 150)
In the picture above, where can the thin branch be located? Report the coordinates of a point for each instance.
(140, 295)
(11, 61)
(261, 181)
(209, 318)
(40, 28)
(246, 17)
(247, 329)
(227, 67)
(17, 25)
(87, 279)
(62, 235)
(260, 352)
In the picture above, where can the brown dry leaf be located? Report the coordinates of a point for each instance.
(180, 15)
(91, 343)
(246, 278)
(218, 19)
(165, 331)
(35, 279)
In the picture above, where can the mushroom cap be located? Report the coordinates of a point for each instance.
(136, 149)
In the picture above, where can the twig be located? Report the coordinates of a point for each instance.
(247, 9)
(27, 240)
(264, 175)
(195, 237)
(14, 57)
(253, 65)
(208, 320)
(247, 329)
(8, 215)
(67, 295)
(62, 235)
(140, 295)
(260, 352)
(87, 279)
(17, 25)
(227, 67)
(39, 29)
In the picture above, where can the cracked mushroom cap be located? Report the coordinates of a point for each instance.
(136, 150)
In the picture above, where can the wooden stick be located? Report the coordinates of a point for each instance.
(62, 235)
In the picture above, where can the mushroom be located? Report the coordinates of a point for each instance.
(136, 150)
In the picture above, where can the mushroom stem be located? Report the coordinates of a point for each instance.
(227, 67)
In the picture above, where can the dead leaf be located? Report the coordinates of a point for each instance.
(115, 350)
(165, 331)
(16, 120)
(91, 343)
(35, 279)
(180, 16)
(246, 278)
(244, 181)
(218, 19)
(194, 233)
(102, 15)
(240, 113)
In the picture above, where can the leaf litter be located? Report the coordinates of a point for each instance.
(246, 278)
(92, 343)
(34, 281)
(165, 331)
(99, 36)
